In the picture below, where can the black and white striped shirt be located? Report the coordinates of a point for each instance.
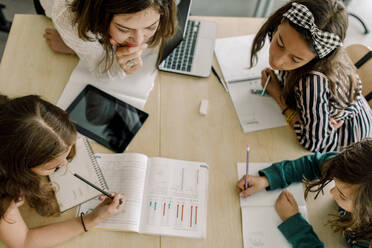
(316, 106)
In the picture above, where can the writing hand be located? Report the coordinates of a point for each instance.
(255, 184)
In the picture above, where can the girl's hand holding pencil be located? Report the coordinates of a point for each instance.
(255, 184)
(270, 83)
(108, 207)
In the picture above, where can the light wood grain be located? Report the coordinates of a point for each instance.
(29, 66)
(175, 129)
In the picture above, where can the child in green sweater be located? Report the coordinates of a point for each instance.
(351, 170)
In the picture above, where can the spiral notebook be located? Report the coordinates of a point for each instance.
(70, 191)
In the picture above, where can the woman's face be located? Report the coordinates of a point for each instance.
(288, 50)
(51, 166)
(134, 29)
(343, 194)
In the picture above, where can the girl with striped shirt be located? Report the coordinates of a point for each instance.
(317, 86)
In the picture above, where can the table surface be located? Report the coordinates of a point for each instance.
(175, 129)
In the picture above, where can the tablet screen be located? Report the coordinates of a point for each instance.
(105, 119)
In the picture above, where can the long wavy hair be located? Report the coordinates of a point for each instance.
(331, 16)
(352, 166)
(94, 17)
(32, 132)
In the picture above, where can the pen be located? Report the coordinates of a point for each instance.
(219, 78)
(266, 83)
(246, 169)
(97, 188)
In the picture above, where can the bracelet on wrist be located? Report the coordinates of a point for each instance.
(82, 222)
(290, 117)
(284, 110)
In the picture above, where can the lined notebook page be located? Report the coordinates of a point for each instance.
(259, 218)
(70, 190)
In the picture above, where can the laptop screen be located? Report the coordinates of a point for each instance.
(183, 9)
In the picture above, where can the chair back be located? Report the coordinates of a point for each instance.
(362, 59)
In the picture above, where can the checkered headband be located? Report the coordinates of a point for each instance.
(324, 42)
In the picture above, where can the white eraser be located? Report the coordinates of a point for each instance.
(203, 107)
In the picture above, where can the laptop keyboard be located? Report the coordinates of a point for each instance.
(182, 56)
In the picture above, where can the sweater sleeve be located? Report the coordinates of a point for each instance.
(300, 233)
(314, 130)
(282, 174)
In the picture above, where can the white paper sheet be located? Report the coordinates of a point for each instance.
(133, 89)
(259, 218)
(255, 112)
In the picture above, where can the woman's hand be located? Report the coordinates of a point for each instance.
(255, 184)
(108, 207)
(273, 87)
(129, 58)
(286, 206)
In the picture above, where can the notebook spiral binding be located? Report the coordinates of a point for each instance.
(97, 169)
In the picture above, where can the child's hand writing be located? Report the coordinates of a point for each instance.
(273, 87)
(255, 184)
(286, 206)
(108, 207)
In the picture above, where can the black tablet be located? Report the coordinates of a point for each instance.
(105, 119)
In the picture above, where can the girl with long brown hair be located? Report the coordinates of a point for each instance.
(317, 88)
(36, 138)
(107, 32)
(351, 172)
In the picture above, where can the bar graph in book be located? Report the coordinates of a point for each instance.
(184, 182)
(180, 214)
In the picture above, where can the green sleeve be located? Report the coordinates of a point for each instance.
(299, 233)
(282, 174)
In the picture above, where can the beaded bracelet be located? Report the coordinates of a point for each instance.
(291, 116)
(82, 222)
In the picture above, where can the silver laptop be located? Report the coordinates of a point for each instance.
(190, 50)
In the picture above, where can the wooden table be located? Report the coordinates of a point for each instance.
(175, 129)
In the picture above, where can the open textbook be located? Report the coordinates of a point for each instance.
(255, 112)
(259, 218)
(71, 191)
(162, 196)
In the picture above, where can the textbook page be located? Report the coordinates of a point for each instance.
(124, 173)
(175, 198)
(255, 112)
(259, 218)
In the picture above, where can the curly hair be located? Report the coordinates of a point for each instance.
(32, 132)
(352, 166)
